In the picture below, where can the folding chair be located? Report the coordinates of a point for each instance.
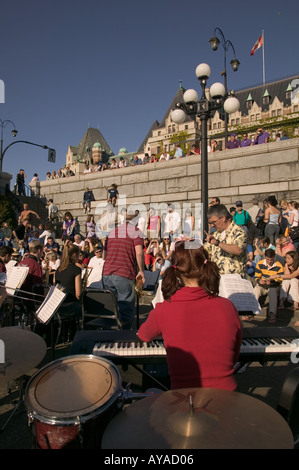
(100, 310)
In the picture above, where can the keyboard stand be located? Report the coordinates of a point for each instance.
(149, 376)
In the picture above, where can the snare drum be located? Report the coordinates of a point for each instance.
(71, 400)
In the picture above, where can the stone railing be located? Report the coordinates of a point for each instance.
(233, 174)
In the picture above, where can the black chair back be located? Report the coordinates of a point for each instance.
(100, 310)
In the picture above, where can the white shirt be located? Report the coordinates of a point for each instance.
(94, 279)
(141, 224)
(95, 262)
(80, 245)
(54, 265)
(46, 234)
(172, 222)
(296, 217)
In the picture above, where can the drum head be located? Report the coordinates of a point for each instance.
(73, 389)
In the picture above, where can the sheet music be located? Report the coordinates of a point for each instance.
(15, 279)
(9, 267)
(50, 305)
(240, 292)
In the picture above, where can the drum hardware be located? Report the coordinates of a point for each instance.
(23, 351)
(128, 396)
(18, 402)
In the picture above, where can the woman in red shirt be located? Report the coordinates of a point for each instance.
(201, 331)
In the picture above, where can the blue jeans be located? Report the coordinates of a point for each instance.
(124, 290)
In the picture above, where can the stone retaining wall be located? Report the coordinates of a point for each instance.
(233, 174)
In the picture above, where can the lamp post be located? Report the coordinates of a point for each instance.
(226, 44)
(14, 132)
(3, 124)
(203, 109)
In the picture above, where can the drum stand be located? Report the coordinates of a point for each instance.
(18, 403)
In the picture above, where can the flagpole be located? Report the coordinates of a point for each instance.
(263, 57)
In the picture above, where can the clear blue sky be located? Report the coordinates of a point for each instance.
(70, 64)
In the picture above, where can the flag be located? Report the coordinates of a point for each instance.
(257, 45)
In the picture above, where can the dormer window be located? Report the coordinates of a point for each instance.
(249, 102)
(266, 98)
(288, 92)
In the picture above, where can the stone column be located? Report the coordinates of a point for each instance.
(4, 182)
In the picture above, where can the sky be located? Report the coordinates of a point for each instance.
(71, 64)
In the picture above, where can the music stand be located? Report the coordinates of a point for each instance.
(49, 307)
(150, 285)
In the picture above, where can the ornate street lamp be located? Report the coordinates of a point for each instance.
(203, 109)
(226, 44)
(14, 132)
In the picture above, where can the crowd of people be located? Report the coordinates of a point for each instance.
(260, 244)
(261, 136)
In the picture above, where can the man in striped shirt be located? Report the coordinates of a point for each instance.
(123, 250)
(264, 269)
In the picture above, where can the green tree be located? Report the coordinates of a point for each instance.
(7, 213)
(182, 139)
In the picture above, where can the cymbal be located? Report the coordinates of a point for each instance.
(198, 418)
(23, 350)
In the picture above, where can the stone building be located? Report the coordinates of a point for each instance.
(273, 106)
(92, 149)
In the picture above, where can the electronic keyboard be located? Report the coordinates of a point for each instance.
(259, 344)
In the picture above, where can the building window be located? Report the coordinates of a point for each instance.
(232, 122)
(265, 99)
(159, 132)
(186, 127)
(295, 108)
(279, 112)
(252, 117)
(214, 125)
(219, 125)
(258, 117)
(238, 121)
(288, 95)
(173, 128)
(273, 113)
(249, 104)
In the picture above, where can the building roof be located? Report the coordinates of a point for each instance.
(91, 137)
(154, 126)
(178, 98)
(271, 90)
